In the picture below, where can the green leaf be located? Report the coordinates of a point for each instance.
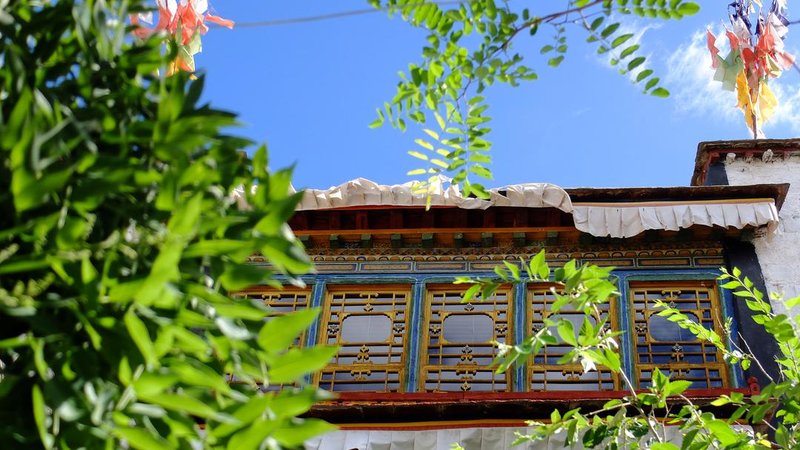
(470, 293)
(297, 362)
(567, 332)
(418, 155)
(439, 120)
(154, 383)
(280, 332)
(678, 387)
(636, 62)
(721, 431)
(643, 74)
(424, 144)
(664, 446)
(514, 269)
(138, 332)
(609, 30)
(539, 267)
(377, 122)
(141, 439)
(619, 40)
(39, 417)
(298, 433)
(555, 62)
(721, 401)
(628, 51)
(613, 361)
(688, 8)
(660, 92)
(237, 277)
(184, 403)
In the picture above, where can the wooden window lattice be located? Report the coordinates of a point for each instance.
(544, 371)
(369, 324)
(676, 352)
(279, 302)
(458, 341)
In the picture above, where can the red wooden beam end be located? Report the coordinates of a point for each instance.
(755, 388)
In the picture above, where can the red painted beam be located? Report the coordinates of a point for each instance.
(433, 397)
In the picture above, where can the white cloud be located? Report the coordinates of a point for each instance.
(788, 111)
(690, 79)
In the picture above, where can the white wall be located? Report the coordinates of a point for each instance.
(779, 255)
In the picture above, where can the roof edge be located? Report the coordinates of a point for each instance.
(775, 191)
(710, 151)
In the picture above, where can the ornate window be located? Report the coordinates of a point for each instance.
(458, 341)
(368, 323)
(545, 373)
(659, 343)
(284, 302)
(280, 302)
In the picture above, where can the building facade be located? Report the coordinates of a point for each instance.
(414, 367)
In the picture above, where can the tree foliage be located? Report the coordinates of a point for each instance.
(470, 47)
(643, 418)
(119, 243)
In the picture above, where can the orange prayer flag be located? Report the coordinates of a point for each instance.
(711, 40)
(185, 21)
(219, 21)
(733, 38)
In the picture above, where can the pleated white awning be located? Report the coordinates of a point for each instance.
(621, 220)
(363, 192)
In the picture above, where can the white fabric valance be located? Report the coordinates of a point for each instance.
(621, 220)
(363, 192)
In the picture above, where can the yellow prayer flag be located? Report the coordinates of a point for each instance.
(744, 100)
(766, 102)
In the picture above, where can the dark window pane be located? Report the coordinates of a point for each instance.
(468, 328)
(373, 328)
(664, 330)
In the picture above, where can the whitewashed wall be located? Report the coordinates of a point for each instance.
(779, 255)
(499, 438)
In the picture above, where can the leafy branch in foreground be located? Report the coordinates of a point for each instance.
(643, 418)
(120, 245)
(470, 48)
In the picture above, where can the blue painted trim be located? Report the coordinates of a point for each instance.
(624, 321)
(669, 275)
(415, 315)
(520, 316)
(317, 297)
(726, 300)
(392, 278)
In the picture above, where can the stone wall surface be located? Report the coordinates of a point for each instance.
(779, 254)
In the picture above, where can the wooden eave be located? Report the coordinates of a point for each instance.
(776, 192)
(364, 408)
(450, 225)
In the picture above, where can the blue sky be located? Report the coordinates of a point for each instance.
(310, 90)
